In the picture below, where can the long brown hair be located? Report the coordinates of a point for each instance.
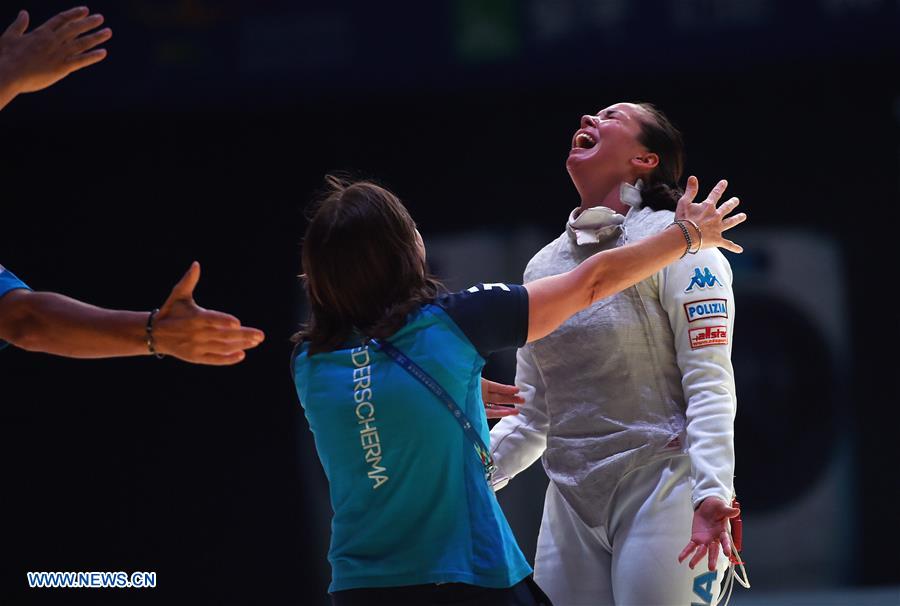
(363, 270)
(661, 190)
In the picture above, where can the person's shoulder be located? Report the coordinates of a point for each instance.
(299, 351)
(10, 282)
(647, 221)
(551, 247)
(661, 217)
(706, 269)
(491, 315)
(7, 275)
(708, 257)
(538, 263)
(442, 300)
(469, 295)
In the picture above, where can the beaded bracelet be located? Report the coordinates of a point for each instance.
(699, 235)
(151, 344)
(687, 236)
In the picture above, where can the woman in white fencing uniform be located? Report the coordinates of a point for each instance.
(630, 402)
(414, 521)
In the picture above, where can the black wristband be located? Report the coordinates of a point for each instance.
(151, 345)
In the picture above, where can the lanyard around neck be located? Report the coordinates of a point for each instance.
(402, 360)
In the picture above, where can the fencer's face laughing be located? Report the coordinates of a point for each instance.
(605, 143)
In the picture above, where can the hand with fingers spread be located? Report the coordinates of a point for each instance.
(499, 399)
(710, 221)
(57, 324)
(709, 530)
(35, 60)
(186, 331)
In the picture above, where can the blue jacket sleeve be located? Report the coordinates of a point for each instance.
(492, 316)
(8, 282)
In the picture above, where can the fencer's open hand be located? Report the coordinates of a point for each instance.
(709, 530)
(497, 397)
(33, 61)
(187, 331)
(712, 221)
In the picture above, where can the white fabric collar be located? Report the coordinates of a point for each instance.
(631, 194)
(598, 222)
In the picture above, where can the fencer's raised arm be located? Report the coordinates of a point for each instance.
(553, 299)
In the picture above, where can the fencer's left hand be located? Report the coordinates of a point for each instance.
(497, 397)
(709, 530)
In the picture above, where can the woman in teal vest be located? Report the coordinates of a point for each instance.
(388, 372)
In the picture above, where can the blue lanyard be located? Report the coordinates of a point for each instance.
(483, 452)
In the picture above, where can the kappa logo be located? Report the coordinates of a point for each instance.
(703, 279)
(706, 308)
(489, 287)
(703, 588)
(708, 335)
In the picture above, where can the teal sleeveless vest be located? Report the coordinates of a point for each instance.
(411, 505)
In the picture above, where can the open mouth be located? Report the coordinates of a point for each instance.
(584, 141)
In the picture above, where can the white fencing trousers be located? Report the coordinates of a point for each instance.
(633, 561)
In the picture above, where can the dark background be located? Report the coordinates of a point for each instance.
(211, 124)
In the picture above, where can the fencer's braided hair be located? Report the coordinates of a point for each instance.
(661, 190)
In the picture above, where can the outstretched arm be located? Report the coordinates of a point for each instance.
(53, 323)
(35, 60)
(552, 300)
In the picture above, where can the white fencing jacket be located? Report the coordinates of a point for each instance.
(641, 375)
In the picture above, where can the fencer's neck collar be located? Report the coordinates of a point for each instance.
(631, 194)
(597, 223)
